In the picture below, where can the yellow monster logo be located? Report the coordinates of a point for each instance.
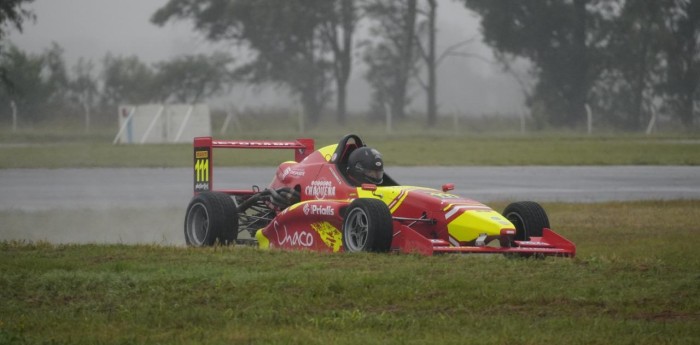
(329, 235)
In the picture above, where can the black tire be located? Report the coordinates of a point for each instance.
(211, 218)
(367, 227)
(528, 217)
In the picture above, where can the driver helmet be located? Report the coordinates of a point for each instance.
(365, 165)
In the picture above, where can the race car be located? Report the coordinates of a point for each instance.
(314, 203)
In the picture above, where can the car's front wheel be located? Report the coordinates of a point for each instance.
(528, 217)
(211, 218)
(367, 227)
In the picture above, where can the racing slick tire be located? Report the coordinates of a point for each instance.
(368, 226)
(211, 218)
(528, 217)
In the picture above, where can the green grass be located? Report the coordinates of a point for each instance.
(634, 281)
(472, 141)
(407, 150)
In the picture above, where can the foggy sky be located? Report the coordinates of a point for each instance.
(92, 28)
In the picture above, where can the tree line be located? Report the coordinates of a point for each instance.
(38, 87)
(310, 46)
(42, 86)
(621, 60)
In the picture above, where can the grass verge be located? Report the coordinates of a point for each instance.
(397, 150)
(635, 280)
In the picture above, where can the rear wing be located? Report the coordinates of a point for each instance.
(204, 155)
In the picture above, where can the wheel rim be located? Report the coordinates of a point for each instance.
(356, 230)
(519, 223)
(197, 224)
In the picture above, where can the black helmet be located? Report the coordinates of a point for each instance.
(365, 165)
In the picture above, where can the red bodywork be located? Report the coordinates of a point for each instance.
(421, 217)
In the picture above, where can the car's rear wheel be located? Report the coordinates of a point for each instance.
(211, 218)
(528, 217)
(367, 227)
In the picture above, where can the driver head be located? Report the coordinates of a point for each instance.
(365, 165)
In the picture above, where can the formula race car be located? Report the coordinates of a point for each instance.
(315, 202)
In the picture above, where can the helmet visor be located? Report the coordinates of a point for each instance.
(375, 176)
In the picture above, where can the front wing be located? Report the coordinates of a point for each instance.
(550, 243)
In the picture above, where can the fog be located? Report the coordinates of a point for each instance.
(92, 28)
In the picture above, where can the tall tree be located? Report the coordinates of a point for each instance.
(558, 37)
(83, 89)
(25, 84)
(392, 58)
(36, 83)
(681, 48)
(57, 78)
(338, 32)
(12, 15)
(287, 39)
(625, 90)
(189, 79)
(431, 61)
(127, 79)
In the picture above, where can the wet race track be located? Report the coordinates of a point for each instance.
(99, 191)
(43, 189)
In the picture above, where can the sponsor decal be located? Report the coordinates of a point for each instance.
(297, 239)
(329, 234)
(320, 189)
(445, 196)
(289, 171)
(201, 169)
(318, 210)
(332, 170)
(500, 220)
(201, 154)
(256, 143)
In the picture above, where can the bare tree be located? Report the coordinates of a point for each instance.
(431, 63)
(392, 59)
(338, 31)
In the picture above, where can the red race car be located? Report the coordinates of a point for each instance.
(338, 198)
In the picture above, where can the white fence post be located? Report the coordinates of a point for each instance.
(14, 116)
(86, 107)
(652, 121)
(589, 115)
(388, 119)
